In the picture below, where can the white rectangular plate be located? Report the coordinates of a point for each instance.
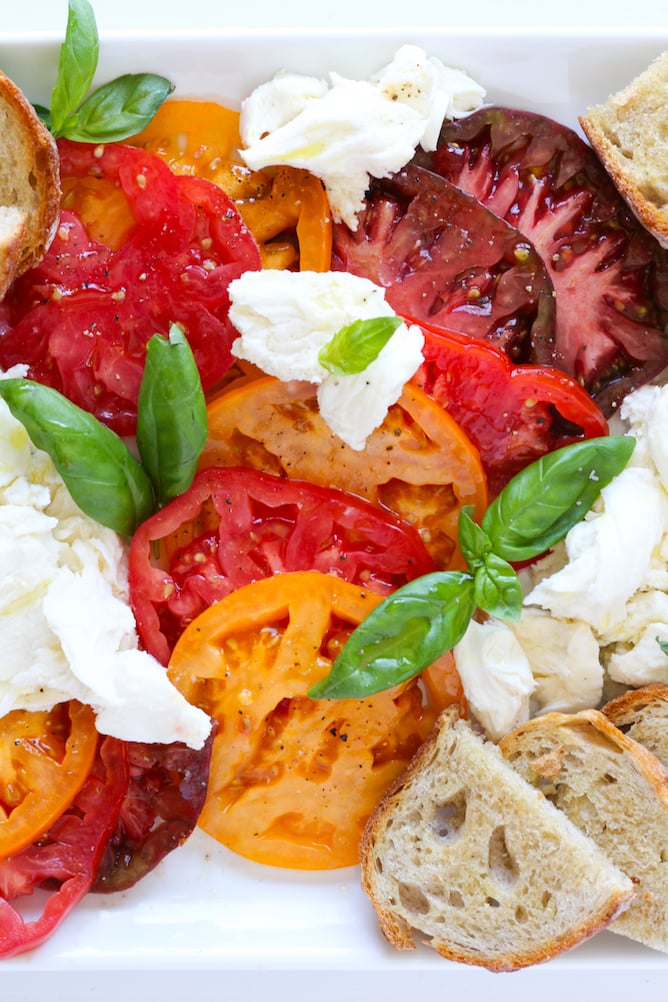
(207, 920)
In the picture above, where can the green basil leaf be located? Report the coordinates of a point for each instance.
(497, 589)
(546, 499)
(356, 346)
(171, 414)
(77, 63)
(474, 542)
(404, 634)
(44, 114)
(118, 109)
(663, 644)
(100, 472)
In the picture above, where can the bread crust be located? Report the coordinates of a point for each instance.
(643, 715)
(616, 791)
(29, 179)
(510, 804)
(610, 126)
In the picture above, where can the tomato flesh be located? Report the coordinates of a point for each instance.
(292, 780)
(610, 276)
(236, 525)
(81, 320)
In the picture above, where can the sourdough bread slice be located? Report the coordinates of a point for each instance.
(464, 855)
(643, 715)
(29, 180)
(629, 132)
(616, 792)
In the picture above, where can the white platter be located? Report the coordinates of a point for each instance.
(207, 921)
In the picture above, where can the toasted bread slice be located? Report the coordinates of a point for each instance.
(629, 132)
(643, 715)
(465, 855)
(616, 792)
(29, 183)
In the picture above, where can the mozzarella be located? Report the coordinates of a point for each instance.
(66, 628)
(495, 676)
(284, 319)
(352, 130)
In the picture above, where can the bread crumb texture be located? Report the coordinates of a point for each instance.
(616, 792)
(478, 864)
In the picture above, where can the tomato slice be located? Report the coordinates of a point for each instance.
(65, 859)
(165, 795)
(444, 258)
(513, 413)
(292, 780)
(419, 464)
(81, 320)
(236, 525)
(45, 758)
(610, 275)
(286, 209)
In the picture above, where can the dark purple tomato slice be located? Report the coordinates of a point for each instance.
(444, 258)
(610, 276)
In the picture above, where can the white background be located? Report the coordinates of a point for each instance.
(50, 15)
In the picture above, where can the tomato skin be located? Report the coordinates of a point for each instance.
(513, 413)
(293, 780)
(235, 525)
(419, 464)
(66, 857)
(81, 320)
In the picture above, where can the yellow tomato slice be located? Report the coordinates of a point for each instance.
(419, 463)
(293, 780)
(45, 758)
(286, 209)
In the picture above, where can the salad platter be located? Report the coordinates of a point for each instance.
(206, 918)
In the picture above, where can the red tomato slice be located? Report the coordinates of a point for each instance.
(286, 209)
(165, 795)
(293, 780)
(418, 464)
(610, 276)
(514, 414)
(444, 258)
(65, 859)
(236, 525)
(81, 320)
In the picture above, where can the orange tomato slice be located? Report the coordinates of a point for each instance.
(45, 758)
(418, 463)
(292, 780)
(286, 209)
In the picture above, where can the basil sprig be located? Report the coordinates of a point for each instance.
(100, 472)
(357, 345)
(171, 415)
(114, 111)
(103, 476)
(423, 619)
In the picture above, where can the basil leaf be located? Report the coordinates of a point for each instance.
(100, 472)
(77, 63)
(356, 346)
(474, 542)
(404, 634)
(118, 109)
(546, 499)
(171, 414)
(663, 644)
(497, 589)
